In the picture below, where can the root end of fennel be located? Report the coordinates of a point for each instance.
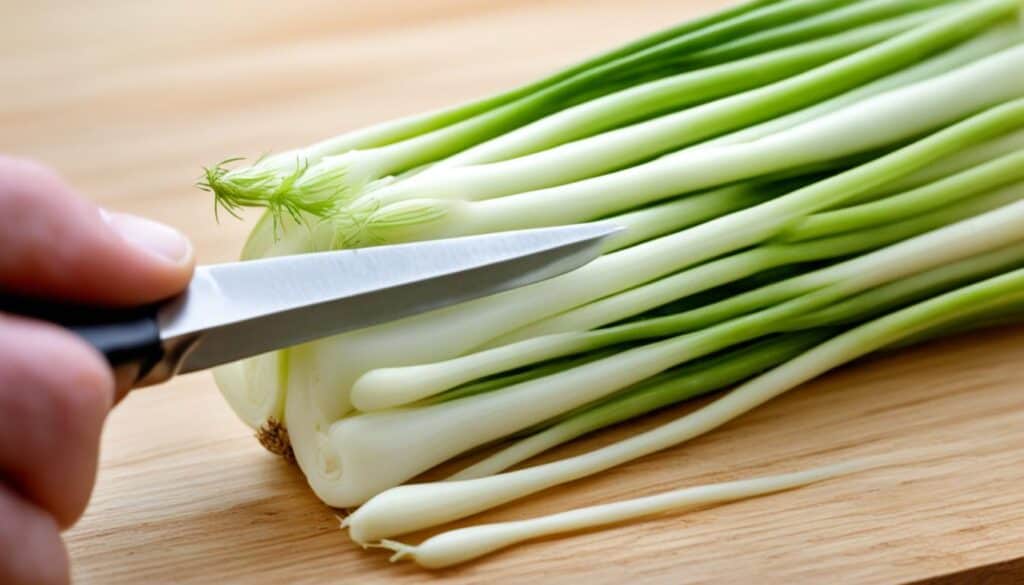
(274, 437)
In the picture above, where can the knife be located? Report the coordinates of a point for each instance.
(241, 309)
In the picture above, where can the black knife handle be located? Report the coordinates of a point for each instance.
(128, 338)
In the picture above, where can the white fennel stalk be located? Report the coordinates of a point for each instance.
(390, 387)
(356, 161)
(677, 92)
(1000, 37)
(875, 123)
(321, 373)
(685, 383)
(361, 442)
(917, 202)
(465, 544)
(413, 507)
(615, 149)
(257, 183)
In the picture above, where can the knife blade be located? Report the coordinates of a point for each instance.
(240, 309)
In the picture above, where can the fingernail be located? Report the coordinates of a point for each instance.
(156, 238)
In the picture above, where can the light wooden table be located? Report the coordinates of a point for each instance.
(128, 99)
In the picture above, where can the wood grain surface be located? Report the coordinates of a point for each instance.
(129, 99)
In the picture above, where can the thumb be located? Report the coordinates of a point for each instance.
(55, 244)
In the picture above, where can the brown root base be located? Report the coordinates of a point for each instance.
(274, 438)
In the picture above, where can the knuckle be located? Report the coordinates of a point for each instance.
(72, 376)
(22, 180)
(54, 377)
(56, 392)
(33, 536)
(36, 215)
(84, 387)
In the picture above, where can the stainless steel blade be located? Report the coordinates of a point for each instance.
(237, 310)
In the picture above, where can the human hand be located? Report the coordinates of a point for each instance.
(55, 390)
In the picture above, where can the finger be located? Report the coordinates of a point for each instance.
(33, 553)
(55, 392)
(54, 243)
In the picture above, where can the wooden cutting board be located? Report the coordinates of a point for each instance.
(128, 99)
